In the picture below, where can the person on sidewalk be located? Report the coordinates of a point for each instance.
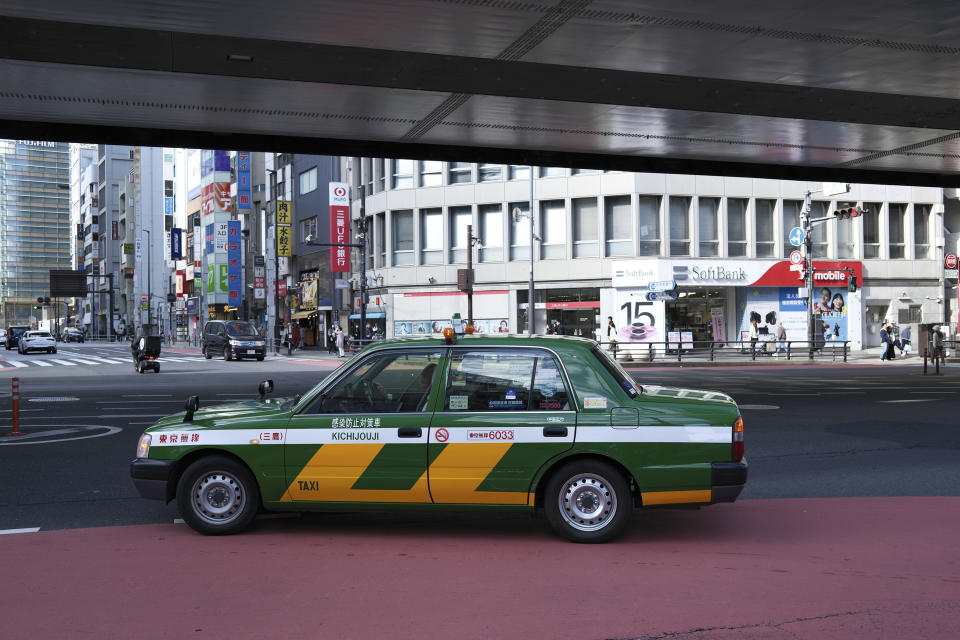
(611, 334)
(754, 332)
(886, 344)
(339, 341)
(905, 347)
(781, 337)
(331, 340)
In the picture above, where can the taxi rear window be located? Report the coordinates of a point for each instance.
(615, 370)
(504, 380)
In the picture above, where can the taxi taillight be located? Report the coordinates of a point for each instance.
(738, 439)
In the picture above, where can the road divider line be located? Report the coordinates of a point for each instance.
(5, 532)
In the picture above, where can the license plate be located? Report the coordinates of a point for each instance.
(251, 351)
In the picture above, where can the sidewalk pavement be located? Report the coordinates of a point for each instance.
(865, 357)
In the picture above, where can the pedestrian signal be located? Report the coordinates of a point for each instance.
(852, 284)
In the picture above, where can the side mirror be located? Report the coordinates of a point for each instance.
(192, 405)
(265, 387)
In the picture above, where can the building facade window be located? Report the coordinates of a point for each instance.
(818, 232)
(846, 236)
(679, 226)
(402, 222)
(896, 215)
(491, 232)
(401, 174)
(490, 172)
(585, 223)
(618, 225)
(460, 217)
(648, 226)
(431, 236)
(519, 231)
(460, 173)
(553, 230)
(871, 229)
(791, 219)
(168, 188)
(380, 240)
(431, 173)
(736, 227)
(583, 172)
(308, 181)
(380, 173)
(764, 227)
(367, 165)
(921, 231)
(552, 172)
(308, 227)
(708, 210)
(518, 172)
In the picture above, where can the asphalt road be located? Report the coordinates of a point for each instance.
(806, 553)
(831, 431)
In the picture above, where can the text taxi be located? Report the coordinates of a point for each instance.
(520, 423)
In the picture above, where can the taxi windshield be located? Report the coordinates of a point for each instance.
(240, 329)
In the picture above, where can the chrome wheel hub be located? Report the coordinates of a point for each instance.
(587, 502)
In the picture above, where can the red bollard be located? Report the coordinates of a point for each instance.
(15, 406)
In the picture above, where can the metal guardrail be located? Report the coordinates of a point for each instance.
(711, 351)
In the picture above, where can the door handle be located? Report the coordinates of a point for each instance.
(555, 432)
(409, 432)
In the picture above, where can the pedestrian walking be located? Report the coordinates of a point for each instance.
(781, 337)
(886, 342)
(611, 334)
(339, 341)
(905, 341)
(331, 340)
(754, 332)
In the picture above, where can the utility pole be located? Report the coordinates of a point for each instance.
(530, 306)
(363, 261)
(469, 274)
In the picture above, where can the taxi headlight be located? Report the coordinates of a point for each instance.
(143, 447)
(234, 343)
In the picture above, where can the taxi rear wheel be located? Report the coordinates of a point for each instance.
(588, 501)
(217, 496)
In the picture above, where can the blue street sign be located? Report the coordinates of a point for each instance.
(796, 236)
(663, 285)
(663, 296)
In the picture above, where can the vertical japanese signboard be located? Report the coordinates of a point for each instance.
(234, 270)
(259, 278)
(284, 235)
(340, 226)
(176, 244)
(243, 179)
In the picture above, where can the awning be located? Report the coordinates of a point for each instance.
(370, 316)
(303, 315)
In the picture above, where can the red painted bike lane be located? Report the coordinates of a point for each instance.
(799, 568)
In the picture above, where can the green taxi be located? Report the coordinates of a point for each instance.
(542, 423)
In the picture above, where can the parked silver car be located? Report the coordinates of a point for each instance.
(37, 341)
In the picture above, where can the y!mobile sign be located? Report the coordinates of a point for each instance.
(339, 226)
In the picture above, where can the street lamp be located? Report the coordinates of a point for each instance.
(518, 214)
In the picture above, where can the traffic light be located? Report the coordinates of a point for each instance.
(852, 284)
(846, 214)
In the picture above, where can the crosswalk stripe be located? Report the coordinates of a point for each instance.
(101, 359)
(40, 363)
(16, 363)
(66, 363)
(84, 360)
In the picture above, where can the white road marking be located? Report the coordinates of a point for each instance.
(902, 401)
(40, 363)
(16, 363)
(950, 392)
(66, 363)
(4, 532)
(149, 395)
(178, 521)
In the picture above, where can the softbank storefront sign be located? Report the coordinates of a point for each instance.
(765, 287)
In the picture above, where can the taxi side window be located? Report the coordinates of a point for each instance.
(387, 382)
(504, 380)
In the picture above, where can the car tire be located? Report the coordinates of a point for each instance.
(259, 358)
(588, 501)
(217, 495)
(53, 350)
(206, 354)
(226, 354)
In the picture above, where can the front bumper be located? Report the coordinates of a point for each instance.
(152, 478)
(245, 352)
(727, 480)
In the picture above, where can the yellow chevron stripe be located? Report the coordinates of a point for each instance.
(675, 497)
(460, 468)
(336, 467)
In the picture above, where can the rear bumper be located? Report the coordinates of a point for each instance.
(152, 478)
(727, 480)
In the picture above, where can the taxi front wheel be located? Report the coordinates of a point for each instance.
(587, 501)
(216, 496)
